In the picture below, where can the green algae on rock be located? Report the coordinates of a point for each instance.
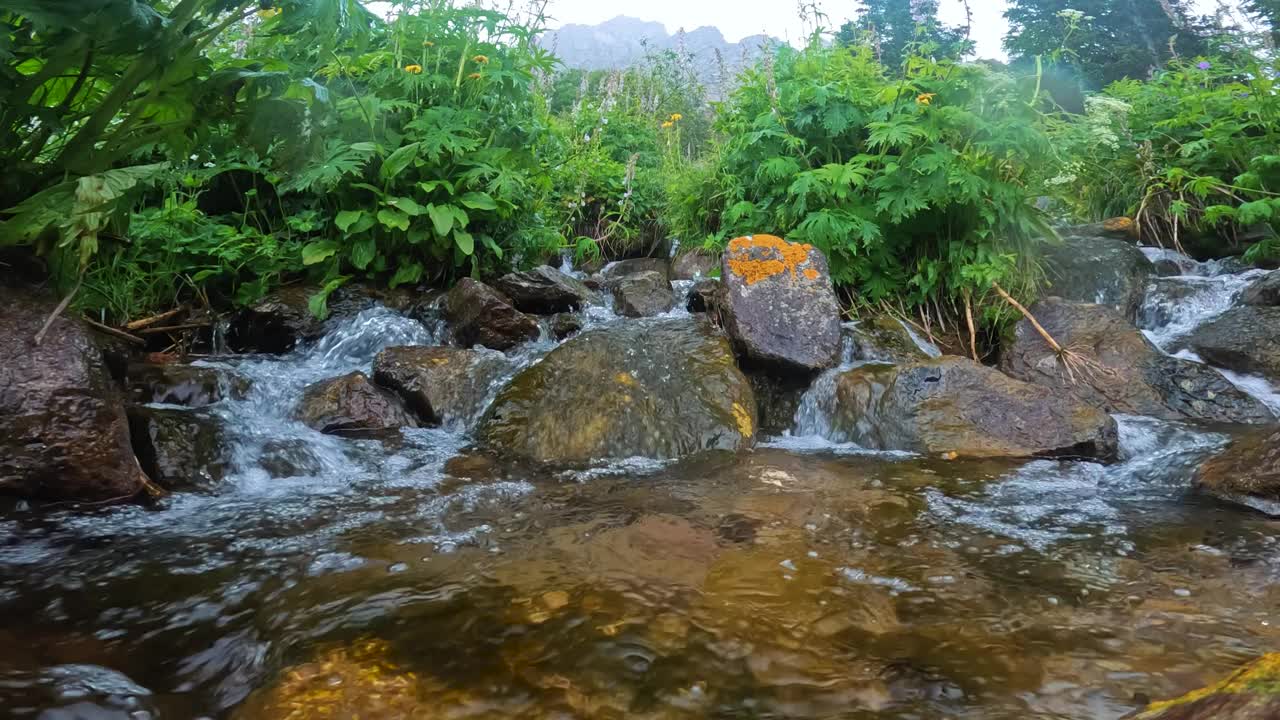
(1250, 693)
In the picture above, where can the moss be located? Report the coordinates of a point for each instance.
(1262, 677)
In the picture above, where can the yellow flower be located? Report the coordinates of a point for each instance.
(428, 43)
(268, 13)
(480, 60)
(413, 69)
(474, 76)
(668, 124)
(925, 98)
(676, 117)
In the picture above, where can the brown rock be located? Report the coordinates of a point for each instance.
(544, 290)
(441, 384)
(63, 430)
(642, 294)
(955, 407)
(179, 449)
(779, 307)
(480, 315)
(1124, 372)
(352, 403)
(1248, 468)
(178, 384)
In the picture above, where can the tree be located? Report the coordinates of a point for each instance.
(895, 27)
(1267, 11)
(1103, 40)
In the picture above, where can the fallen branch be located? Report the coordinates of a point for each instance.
(116, 333)
(174, 328)
(149, 321)
(973, 333)
(48, 323)
(1071, 360)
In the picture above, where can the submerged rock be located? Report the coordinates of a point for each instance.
(1098, 269)
(1244, 339)
(778, 306)
(1122, 371)
(1265, 291)
(179, 449)
(178, 384)
(1251, 693)
(1248, 468)
(953, 405)
(565, 324)
(441, 384)
(654, 388)
(642, 294)
(694, 265)
(352, 403)
(544, 290)
(480, 315)
(63, 430)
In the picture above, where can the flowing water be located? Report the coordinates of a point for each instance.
(403, 577)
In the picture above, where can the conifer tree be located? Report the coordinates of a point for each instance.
(894, 26)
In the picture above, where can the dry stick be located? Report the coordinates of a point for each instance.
(174, 328)
(1030, 318)
(973, 334)
(149, 321)
(48, 323)
(116, 333)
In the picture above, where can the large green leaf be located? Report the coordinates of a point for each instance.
(441, 218)
(393, 219)
(317, 252)
(410, 273)
(465, 242)
(346, 218)
(397, 161)
(478, 201)
(363, 251)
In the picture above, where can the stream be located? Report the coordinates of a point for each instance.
(809, 578)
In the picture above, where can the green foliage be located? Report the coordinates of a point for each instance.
(917, 189)
(1191, 152)
(896, 30)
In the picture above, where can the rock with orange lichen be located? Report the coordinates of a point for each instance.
(778, 304)
(1250, 693)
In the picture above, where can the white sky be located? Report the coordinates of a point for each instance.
(779, 18)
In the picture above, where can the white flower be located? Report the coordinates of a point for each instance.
(194, 158)
(210, 165)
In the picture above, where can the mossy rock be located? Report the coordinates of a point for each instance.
(1250, 693)
(660, 388)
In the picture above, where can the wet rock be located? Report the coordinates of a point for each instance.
(1123, 372)
(283, 319)
(352, 403)
(441, 384)
(63, 430)
(642, 294)
(1249, 469)
(1251, 693)
(480, 315)
(954, 405)
(565, 324)
(779, 307)
(655, 388)
(179, 449)
(703, 294)
(178, 384)
(1266, 291)
(694, 265)
(881, 338)
(1244, 339)
(289, 458)
(544, 290)
(622, 268)
(1098, 269)
(777, 399)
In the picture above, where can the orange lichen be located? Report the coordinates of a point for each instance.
(1118, 225)
(760, 257)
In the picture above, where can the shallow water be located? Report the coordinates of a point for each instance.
(404, 577)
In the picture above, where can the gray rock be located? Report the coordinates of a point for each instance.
(952, 405)
(642, 294)
(655, 388)
(442, 385)
(179, 449)
(480, 315)
(779, 307)
(694, 265)
(881, 338)
(1264, 292)
(1100, 270)
(622, 268)
(1244, 339)
(1122, 372)
(178, 384)
(351, 404)
(63, 430)
(703, 295)
(544, 290)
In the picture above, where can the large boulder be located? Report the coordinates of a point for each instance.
(480, 315)
(778, 305)
(352, 404)
(1117, 369)
(442, 385)
(63, 430)
(643, 294)
(1265, 291)
(1245, 339)
(952, 405)
(1250, 693)
(544, 290)
(623, 268)
(654, 388)
(180, 449)
(1248, 470)
(1098, 269)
